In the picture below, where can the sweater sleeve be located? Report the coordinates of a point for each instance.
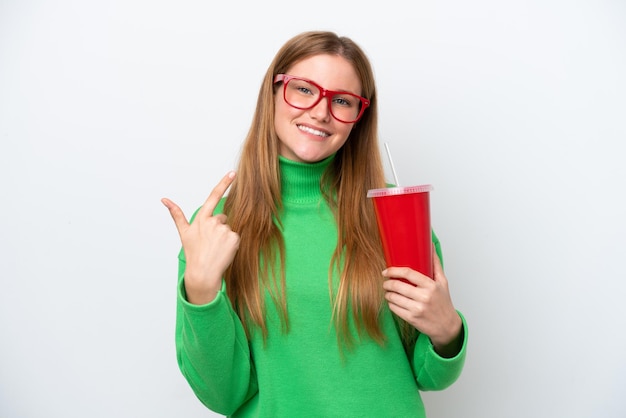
(212, 350)
(432, 371)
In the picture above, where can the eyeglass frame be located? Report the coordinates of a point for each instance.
(285, 78)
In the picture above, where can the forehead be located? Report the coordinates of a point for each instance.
(333, 72)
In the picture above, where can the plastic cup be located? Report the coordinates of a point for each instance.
(403, 216)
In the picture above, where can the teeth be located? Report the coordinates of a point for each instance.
(313, 131)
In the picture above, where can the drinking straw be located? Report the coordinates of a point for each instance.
(393, 169)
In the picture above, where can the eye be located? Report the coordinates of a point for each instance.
(303, 87)
(343, 100)
(304, 90)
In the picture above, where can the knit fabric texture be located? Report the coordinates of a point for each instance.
(305, 372)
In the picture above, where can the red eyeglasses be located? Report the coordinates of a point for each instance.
(305, 94)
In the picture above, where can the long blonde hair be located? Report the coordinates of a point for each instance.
(254, 202)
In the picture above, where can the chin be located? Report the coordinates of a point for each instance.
(312, 158)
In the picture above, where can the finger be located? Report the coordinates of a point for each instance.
(216, 194)
(399, 302)
(438, 274)
(412, 276)
(405, 314)
(407, 304)
(177, 214)
(397, 284)
(221, 218)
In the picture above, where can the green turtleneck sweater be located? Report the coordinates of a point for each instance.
(303, 373)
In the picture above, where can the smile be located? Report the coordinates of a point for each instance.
(313, 131)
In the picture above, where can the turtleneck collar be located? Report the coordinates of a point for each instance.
(300, 182)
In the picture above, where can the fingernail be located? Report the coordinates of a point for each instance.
(231, 174)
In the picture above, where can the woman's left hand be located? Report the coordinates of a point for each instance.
(427, 305)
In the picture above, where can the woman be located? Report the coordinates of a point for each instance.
(282, 308)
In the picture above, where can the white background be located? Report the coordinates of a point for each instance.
(515, 111)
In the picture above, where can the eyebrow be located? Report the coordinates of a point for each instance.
(333, 90)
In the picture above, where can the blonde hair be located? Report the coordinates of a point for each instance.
(254, 202)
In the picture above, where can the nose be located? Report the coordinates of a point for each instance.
(321, 111)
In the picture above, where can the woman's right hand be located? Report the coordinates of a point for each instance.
(208, 243)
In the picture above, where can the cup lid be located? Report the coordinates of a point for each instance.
(390, 191)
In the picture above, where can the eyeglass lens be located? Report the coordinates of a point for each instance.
(304, 95)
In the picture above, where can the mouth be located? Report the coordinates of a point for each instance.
(312, 131)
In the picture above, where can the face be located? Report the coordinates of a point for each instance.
(313, 134)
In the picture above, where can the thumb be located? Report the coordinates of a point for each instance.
(438, 274)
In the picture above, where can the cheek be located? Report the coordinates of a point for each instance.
(282, 119)
(283, 112)
(344, 131)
